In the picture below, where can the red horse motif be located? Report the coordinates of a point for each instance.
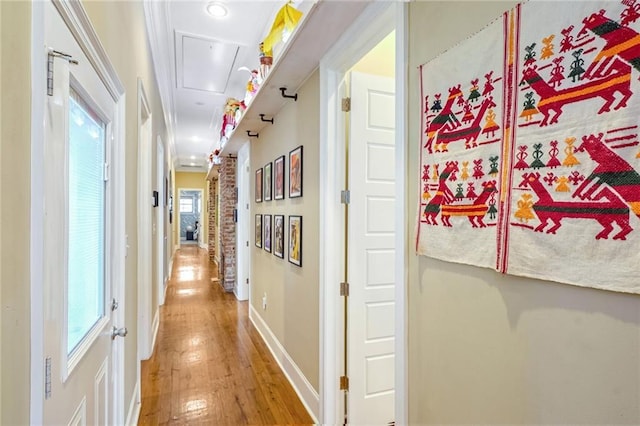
(445, 119)
(606, 88)
(612, 170)
(608, 212)
(621, 41)
(475, 211)
(468, 134)
(443, 194)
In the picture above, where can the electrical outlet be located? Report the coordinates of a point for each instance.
(264, 302)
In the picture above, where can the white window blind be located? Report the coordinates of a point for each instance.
(86, 250)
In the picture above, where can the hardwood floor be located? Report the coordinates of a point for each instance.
(210, 365)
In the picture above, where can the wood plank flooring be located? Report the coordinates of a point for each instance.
(210, 365)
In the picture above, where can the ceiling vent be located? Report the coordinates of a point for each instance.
(203, 63)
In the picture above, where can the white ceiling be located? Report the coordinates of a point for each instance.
(197, 58)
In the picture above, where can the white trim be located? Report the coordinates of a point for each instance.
(38, 89)
(377, 20)
(145, 235)
(155, 327)
(308, 395)
(402, 228)
(134, 407)
(160, 38)
(160, 237)
(204, 246)
(120, 248)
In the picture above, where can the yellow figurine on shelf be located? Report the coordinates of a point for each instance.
(283, 25)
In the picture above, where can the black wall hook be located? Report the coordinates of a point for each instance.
(254, 135)
(284, 95)
(266, 120)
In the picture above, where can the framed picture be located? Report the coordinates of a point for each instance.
(259, 230)
(267, 182)
(295, 173)
(295, 240)
(266, 225)
(258, 188)
(278, 235)
(278, 189)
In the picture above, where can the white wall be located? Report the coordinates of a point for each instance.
(487, 348)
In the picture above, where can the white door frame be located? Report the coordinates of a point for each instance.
(161, 236)
(80, 26)
(372, 25)
(202, 209)
(242, 288)
(145, 237)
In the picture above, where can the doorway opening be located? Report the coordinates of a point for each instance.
(190, 216)
(362, 324)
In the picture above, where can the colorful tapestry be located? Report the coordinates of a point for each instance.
(566, 200)
(462, 149)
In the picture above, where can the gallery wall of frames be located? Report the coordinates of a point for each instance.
(280, 234)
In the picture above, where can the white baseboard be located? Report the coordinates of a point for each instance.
(301, 385)
(154, 328)
(133, 414)
(204, 246)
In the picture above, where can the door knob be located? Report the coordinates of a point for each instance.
(115, 332)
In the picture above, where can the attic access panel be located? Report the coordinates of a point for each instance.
(205, 64)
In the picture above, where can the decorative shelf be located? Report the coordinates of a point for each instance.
(325, 22)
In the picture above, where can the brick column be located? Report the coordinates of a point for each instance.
(213, 218)
(228, 201)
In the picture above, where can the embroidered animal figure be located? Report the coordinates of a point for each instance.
(469, 134)
(606, 213)
(621, 41)
(475, 211)
(443, 194)
(445, 119)
(553, 100)
(612, 170)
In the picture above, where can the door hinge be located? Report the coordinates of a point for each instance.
(106, 172)
(247, 243)
(344, 289)
(345, 196)
(346, 104)
(50, 56)
(47, 378)
(247, 280)
(344, 383)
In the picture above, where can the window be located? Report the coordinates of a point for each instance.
(186, 205)
(86, 237)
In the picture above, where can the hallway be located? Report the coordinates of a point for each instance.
(210, 366)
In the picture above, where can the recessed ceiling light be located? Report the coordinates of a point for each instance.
(200, 103)
(193, 157)
(193, 164)
(195, 139)
(217, 10)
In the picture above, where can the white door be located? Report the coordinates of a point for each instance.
(80, 114)
(244, 223)
(371, 253)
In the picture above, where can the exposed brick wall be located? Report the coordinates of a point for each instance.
(213, 219)
(228, 201)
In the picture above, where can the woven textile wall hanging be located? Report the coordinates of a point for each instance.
(530, 157)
